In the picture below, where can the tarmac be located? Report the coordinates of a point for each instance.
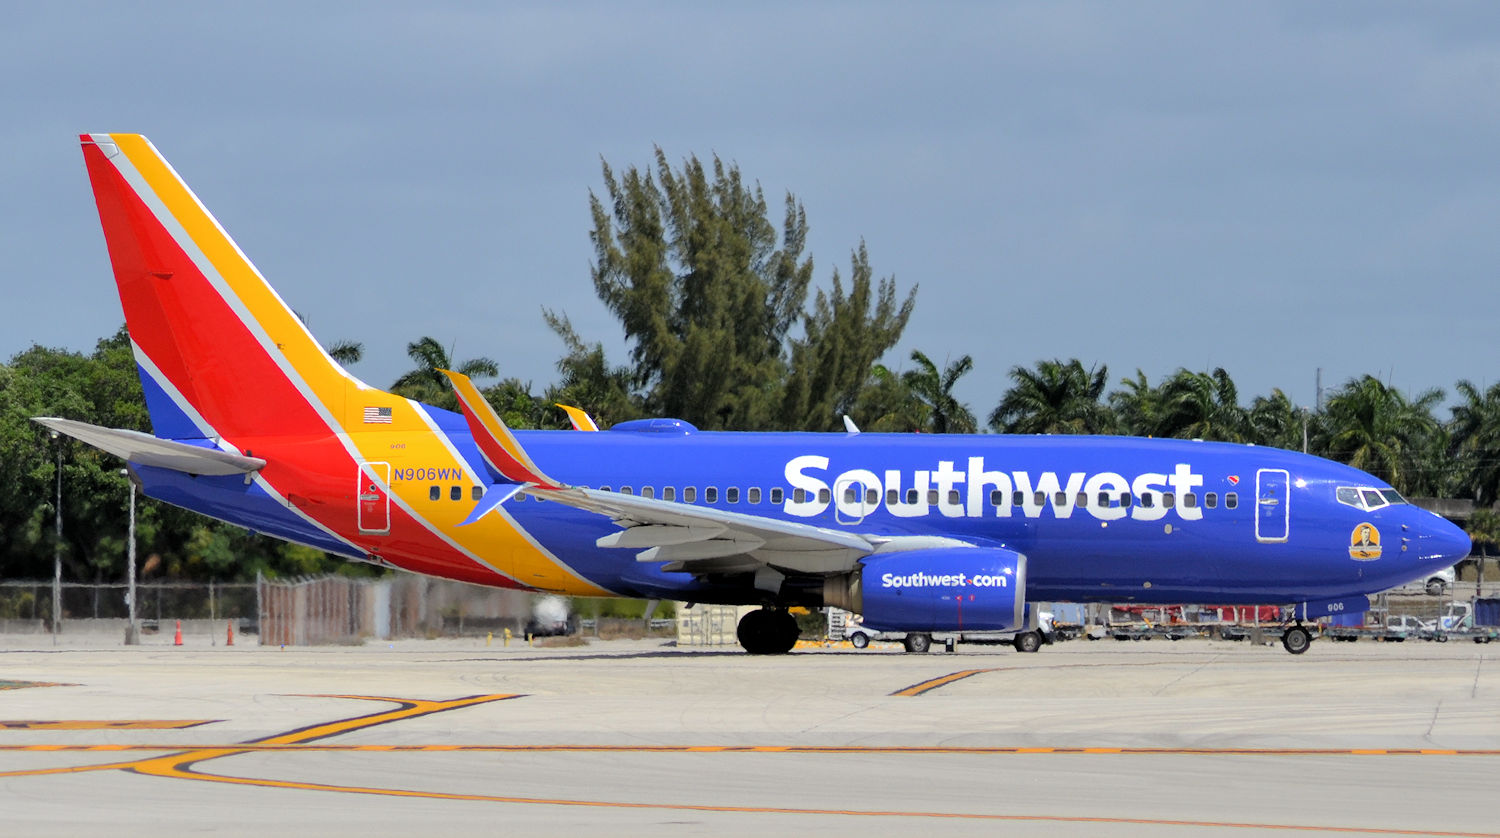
(1086, 738)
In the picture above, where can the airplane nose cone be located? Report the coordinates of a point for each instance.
(1442, 539)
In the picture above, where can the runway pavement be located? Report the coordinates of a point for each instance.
(633, 737)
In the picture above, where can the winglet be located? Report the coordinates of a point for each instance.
(504, 455)
(581, 420)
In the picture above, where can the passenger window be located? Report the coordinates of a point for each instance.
(1104, 499)
(1168, 500)
(626, 490)
(732, 494)
(754, 494)
(1060, 499)
(996, 497)
(710, 494)
(1125, 500)
(799, 496)
(1039, 498)
(1017, 498)
(648, 492)
(476, 493)
(776, 495)
(1148, 500)
(932, 496)
(456, 493)
(954, 498)
(435, 493)
(824, 496)
(1211, 500)
(891, 496)
(1231, 500)
(669, 493)
(604, 488)
(1083, 499)
(850, 494)
(872, 497)
(911, 497)
(1190, 500)
(690, 494)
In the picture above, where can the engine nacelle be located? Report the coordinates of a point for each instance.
(942, 589)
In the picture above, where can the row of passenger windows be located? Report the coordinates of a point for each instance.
(1103, 500)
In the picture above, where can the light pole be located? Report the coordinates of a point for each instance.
(1304, 430)
(57, 547)
(132, 631)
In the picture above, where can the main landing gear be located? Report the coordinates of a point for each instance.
(1296, 639)
(768, 631)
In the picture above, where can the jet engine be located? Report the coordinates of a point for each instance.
(940, 589)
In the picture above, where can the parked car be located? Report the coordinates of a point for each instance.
(1437, 583)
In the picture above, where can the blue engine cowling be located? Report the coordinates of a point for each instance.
(943, 589)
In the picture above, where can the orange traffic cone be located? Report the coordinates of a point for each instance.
(177, 640)
(230, 641)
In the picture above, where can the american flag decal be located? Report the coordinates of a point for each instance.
(377, 416)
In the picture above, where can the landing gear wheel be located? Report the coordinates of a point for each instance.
(1296, 640)
(918, 644)
(768, 632)
(1028, 641)
(860, 640)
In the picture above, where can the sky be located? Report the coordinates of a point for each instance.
(1269, 187)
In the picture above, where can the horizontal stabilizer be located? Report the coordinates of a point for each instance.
(147, 450)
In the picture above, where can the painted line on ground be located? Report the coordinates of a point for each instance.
(249, 747)
(942, 681)
(104, 724)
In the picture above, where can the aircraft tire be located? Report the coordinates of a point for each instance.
(1028, 641)
(860, 640)
(767, 632)
(1296, 640)
(918, 643)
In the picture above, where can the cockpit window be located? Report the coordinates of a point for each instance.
(1366, 498)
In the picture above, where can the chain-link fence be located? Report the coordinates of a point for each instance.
(27, 606)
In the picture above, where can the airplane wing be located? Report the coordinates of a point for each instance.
(680, 536)
(697, 539)
(147, 450)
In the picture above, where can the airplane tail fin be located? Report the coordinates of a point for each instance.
(220, 354)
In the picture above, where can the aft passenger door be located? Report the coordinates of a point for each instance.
(1272, 512)
(374, 498)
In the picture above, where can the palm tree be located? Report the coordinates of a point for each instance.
(1275, 421)
(947, 415)
(1377, 429)
(427, 384)
(1137, 408)
(1484, 528)
(1054, 398)
(1476, 441)
(1201, 405)
(346, 352)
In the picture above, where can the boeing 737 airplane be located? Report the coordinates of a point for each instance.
(254, 424)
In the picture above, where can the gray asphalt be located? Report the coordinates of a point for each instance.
(631, 737)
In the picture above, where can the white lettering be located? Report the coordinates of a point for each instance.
(811, 486)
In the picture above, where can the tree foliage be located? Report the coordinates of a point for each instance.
(1054, 398)
(708, 292)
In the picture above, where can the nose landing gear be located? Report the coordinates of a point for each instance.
(1296, 639)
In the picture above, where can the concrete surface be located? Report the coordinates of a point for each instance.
(633, 737)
